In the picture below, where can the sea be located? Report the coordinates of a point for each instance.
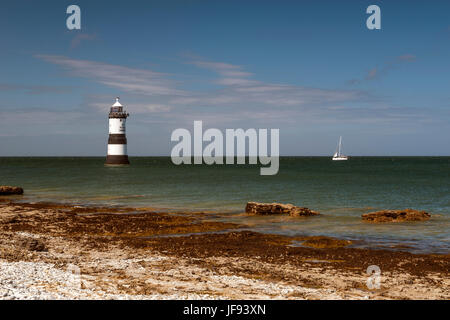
(340, 190)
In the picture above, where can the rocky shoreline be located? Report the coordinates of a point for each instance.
(54, 251)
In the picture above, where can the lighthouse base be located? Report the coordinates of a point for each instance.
(117, 160)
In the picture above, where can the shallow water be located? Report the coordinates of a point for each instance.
(341, 190)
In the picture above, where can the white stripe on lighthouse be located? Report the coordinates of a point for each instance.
(116, 126)
(117, 149)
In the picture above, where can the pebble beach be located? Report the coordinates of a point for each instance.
(54, 251)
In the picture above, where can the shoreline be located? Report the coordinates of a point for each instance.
(138, 253)
(235, 216)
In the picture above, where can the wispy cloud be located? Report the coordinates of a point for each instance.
(270, 95)
(34, 89)
(372, 74)
(24, 122)
(137, 108)
(238, 97)
(224, 69)
(139, 81)
(377, 72)
(238, 89)
(38, 116)
(236, 82)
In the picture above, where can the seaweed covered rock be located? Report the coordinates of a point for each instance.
(325, 242)
(396, 216)
(8, 190)
(258, 208)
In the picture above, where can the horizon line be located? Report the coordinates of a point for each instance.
(168, 156)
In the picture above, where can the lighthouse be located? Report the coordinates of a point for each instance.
(117, 142)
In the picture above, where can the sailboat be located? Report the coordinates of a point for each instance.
(338, 154)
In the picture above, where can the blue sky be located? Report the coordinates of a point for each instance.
(310, 68)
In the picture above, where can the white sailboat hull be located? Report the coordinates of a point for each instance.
(339, 158)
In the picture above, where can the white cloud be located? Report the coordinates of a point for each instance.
(224, 69)
(238, 89)
(236, 82)
(136, 108)
(239, 97)
(140, 81)
(34, 89)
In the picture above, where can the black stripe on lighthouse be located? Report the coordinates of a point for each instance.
(113, 159)
(117, 139)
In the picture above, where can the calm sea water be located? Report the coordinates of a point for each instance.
(341, 190)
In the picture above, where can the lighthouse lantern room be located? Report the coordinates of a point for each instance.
(117, 142)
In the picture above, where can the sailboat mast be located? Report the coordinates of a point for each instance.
(340, 143)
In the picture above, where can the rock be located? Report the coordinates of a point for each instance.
(34, 245)
(8, 190)
(10, 219)
(396, 216)
(301, 211)
(277, 208)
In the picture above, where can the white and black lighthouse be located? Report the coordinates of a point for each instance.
(117, 142)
